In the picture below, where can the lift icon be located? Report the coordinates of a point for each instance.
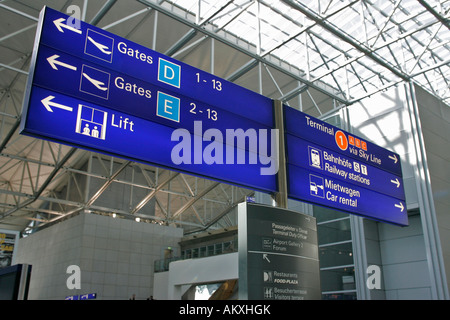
(91, 122)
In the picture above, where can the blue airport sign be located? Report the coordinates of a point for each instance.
(111, 52)
(333, 193)
(75, 122)
(130, 95)
(324, 161)
(333, 168)
(333, 138)
(95, 90)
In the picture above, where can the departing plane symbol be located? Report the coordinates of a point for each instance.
(97, 83)
(100, 46)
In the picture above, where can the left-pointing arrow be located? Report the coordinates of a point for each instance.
(60, 25)
(53, 62)
(48, 103)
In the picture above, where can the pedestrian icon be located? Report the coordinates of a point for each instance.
(268, 293)
(99, 46)
(91, 122)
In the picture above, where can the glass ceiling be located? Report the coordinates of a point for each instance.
(356, 47)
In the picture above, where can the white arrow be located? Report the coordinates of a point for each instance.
(400, 206)
(47, 102)
(265, 257)
(53, 62)
(60, 25)
(394, 157)
(396, 182)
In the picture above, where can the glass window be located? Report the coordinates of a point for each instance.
(337, 279)
(337, 274)
(218, 248)
(339, 254)
(227, 247)
(324, 214)
(334, 231)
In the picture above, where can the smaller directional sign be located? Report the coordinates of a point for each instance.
(324, 161)
(333, 193)
(278, 254)
(330, 167)
(312, 129)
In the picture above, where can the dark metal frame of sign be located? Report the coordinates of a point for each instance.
(278, 254)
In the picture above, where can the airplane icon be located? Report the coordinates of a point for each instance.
(97, 83)
(100, 46)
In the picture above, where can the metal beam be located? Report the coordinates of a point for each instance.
(248, 52)
(103, 11)
(344, 37)
(106, 184)
(444, 20)
(194, 200)
(47, 181)
(152, 193)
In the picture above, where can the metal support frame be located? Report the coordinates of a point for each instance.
(281, 198)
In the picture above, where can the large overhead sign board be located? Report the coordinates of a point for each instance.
(333, 168)
(95, 90)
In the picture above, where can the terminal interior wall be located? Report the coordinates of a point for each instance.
(401, 252)
(435, 122)
(115, 257)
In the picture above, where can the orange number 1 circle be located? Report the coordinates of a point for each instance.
(341, 140)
